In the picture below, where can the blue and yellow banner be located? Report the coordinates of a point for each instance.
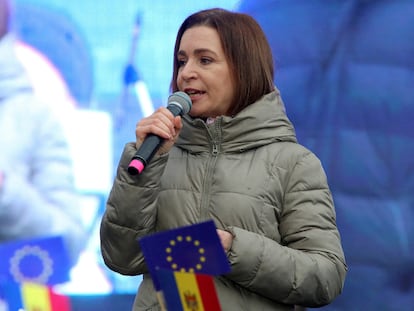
(195, 249)
(188, 291)
(41, 260)
(33, 297)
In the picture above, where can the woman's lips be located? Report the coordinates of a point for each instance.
(194, 94)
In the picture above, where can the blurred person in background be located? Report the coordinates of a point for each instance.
(37, 191)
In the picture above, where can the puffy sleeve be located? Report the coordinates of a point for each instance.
(130, 214)
(38, 196)
(308, 266)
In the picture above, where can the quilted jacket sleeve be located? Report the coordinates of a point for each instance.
(130, 214)
(308, 266)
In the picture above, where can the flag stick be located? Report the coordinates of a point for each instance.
(161, 300)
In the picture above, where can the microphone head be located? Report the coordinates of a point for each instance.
(180, 99)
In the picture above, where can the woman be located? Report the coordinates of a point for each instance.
(233, 159)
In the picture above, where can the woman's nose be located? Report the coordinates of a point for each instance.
(188, 71)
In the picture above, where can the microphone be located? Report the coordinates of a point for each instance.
(179, 103)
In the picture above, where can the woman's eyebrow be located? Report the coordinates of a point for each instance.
(196, 52)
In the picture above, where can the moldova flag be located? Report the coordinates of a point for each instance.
(188, 291)
(195, 249)
(41, 260)
(34, 297)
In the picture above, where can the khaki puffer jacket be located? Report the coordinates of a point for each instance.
(251, 177)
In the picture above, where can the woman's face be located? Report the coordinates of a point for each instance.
(204, 73)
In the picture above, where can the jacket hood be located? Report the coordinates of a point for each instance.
(259, 124)
(12, 76)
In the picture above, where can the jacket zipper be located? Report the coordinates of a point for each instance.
(205, 198)
(214, 151)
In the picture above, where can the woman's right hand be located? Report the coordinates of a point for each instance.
(161, 123)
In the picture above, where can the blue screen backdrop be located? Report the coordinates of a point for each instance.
(346, 73)
(345, 69)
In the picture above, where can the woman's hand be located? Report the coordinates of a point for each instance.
(161, 123)
(226, 239)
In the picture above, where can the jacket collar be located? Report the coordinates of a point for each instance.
(259, 124)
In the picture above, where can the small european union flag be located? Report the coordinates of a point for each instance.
(40, 260)
(195, 248)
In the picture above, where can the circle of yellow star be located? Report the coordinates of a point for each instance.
(36, 251)
(191, 242)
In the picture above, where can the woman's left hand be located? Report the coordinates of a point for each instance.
(226, 239)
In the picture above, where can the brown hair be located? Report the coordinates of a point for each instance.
(247, 51)
(4, 17)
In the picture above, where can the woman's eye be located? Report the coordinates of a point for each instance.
(181, 62)
(205, 60)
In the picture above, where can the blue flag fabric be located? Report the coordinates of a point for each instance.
(195, 248)
(40, 260)
(11, 293)
(10, 297)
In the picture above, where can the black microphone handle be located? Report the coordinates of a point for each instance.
(150, 146)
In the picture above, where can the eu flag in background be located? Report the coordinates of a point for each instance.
(34, 297)
(40, 260)
(195, 249)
